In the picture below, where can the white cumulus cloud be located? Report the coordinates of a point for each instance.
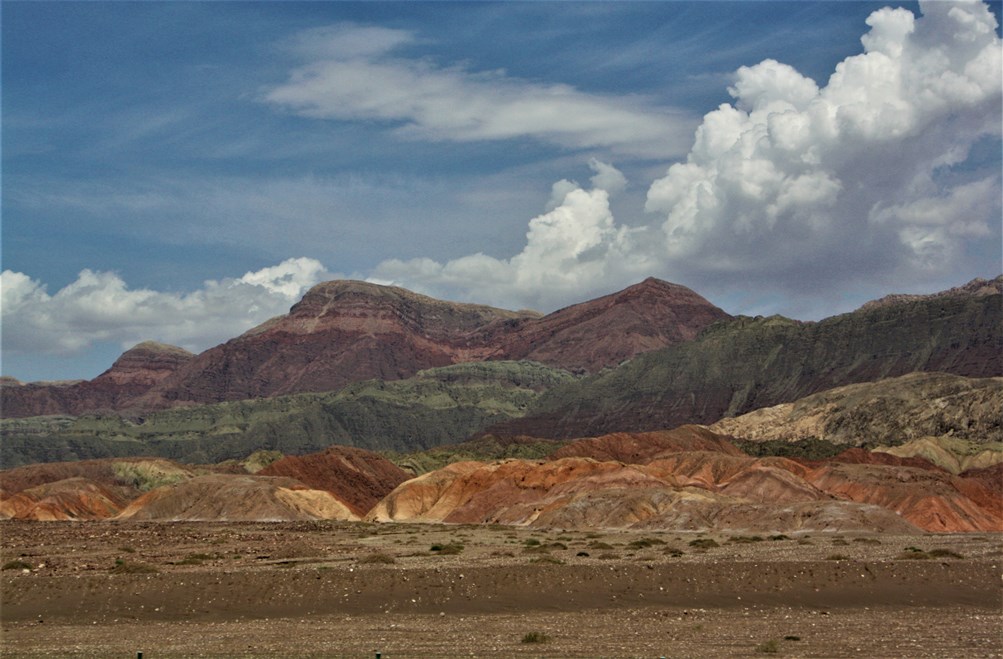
(855, 174)
(573, 251)
(100, 307)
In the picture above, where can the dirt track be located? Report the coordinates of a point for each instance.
(309, 590)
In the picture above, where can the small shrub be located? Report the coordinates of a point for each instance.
(745, 539)
(867, 541)
(132, 567)
(674, 552)
(451, 549)
(583, 554)
(535, 637)
(378, 559)
(644, 543)
(771, 646)
(550, 560)
(16, 565)
(840, 542)
(779, 536)
(913, 554)
(944, 553)
(608, 556)
(792, 638)
(704, 543)
(532, 542)
(600, 545)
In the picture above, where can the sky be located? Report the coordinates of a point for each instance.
(183, 171)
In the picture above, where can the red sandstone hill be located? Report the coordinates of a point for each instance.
(356, 477)
(339, 483)
(696, 482)
(229, 497)
(132, 374)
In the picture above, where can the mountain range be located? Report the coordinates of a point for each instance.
(887, 418)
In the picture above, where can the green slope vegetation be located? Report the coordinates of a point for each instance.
(744, 364)
(438, 406)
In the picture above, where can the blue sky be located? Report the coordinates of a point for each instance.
(183, 171)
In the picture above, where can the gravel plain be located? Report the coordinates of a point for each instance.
(331, 589)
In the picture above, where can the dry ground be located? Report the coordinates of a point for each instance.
(354, 589)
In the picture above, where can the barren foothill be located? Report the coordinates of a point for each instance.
(408, 590)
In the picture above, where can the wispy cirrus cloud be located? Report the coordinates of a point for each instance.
(354, 73)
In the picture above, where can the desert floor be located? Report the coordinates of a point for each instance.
(109, 589)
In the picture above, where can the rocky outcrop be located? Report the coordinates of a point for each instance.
(356, 477)
(891, 411)
(132, 374)
(975, 288)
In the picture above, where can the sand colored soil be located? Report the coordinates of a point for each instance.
(350, 589)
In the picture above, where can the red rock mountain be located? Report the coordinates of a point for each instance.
(347, 331)
(611, 329)
(132, 374)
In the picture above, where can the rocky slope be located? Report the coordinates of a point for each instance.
(437, 406)
(891, 411)
(738, 366)
(132, 374)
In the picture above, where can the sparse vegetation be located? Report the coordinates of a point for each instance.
(551, 560)
(944, 553)
(451, 549)
(837, 557)
(867, 541)
(16, 565)
(644, 543)
(132, 567)
(704, 543)
(771, 646)
(535, 637)
(778, 537)
(745, 539)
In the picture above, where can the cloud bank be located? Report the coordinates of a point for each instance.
(99, 306)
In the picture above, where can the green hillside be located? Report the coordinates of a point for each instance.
(438, 406)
